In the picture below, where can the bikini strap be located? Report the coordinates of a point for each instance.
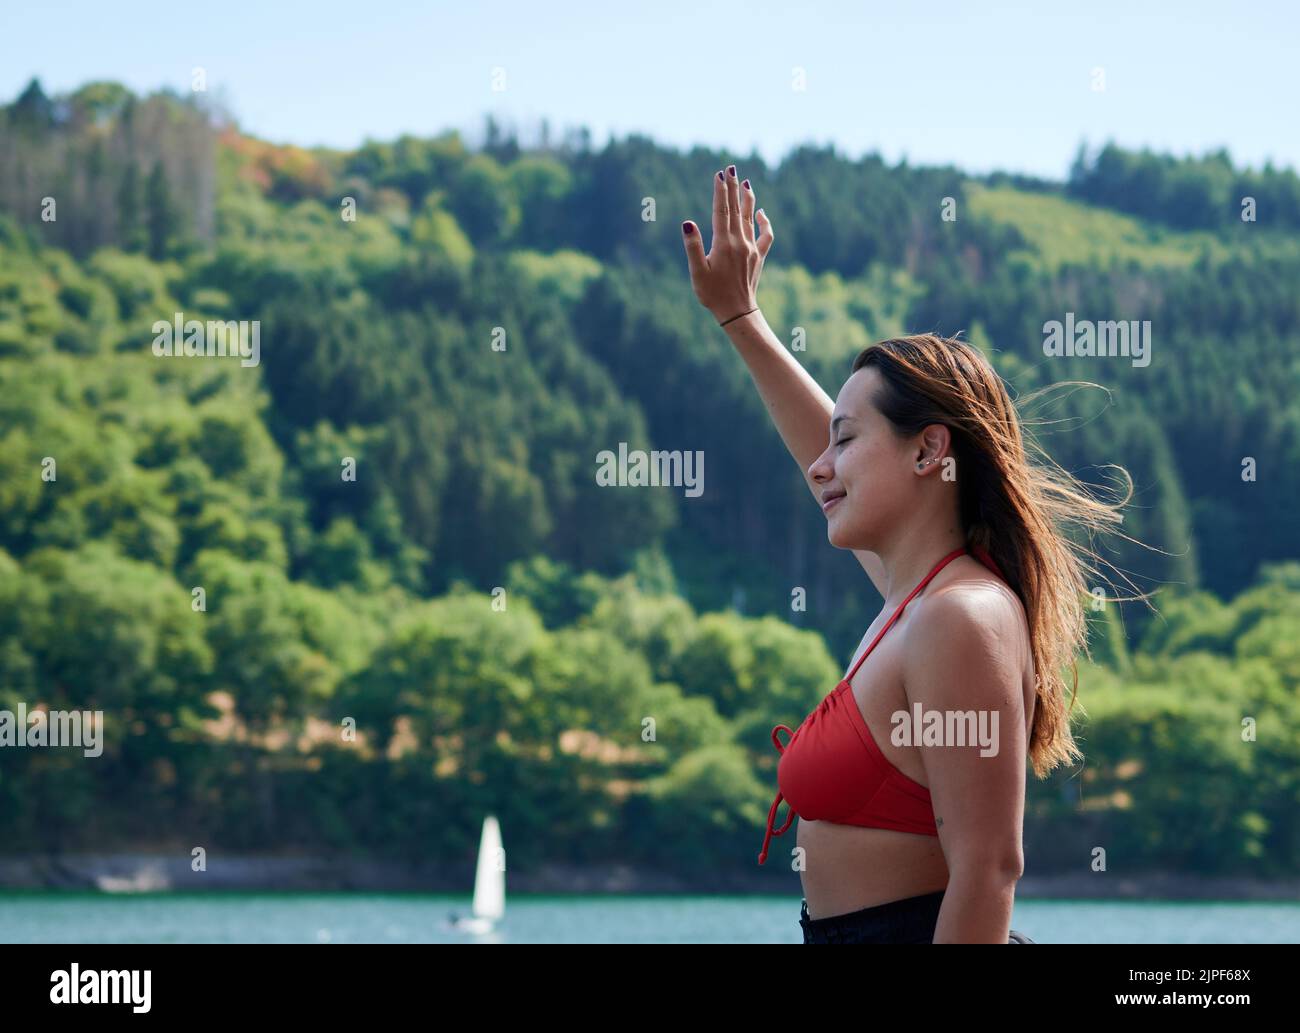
(982, 554)
(890, 623)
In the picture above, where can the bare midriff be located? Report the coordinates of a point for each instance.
(848, 867)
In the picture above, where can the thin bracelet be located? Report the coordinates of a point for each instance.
(734, 318)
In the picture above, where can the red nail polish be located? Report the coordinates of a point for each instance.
(720, 176)
(731, 171)
(687, 228)
(746, 184)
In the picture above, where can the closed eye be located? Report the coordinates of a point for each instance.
(843, 441)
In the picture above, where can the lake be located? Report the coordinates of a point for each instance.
(40, 917)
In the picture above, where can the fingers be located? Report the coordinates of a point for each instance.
(695, 259)
(720, 205)
(765, 236)
(747, 211)
(733, 201)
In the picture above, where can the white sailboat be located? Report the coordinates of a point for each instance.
(489, 882)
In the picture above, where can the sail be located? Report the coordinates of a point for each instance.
(490, 876)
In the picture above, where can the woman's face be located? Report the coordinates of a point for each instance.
(865, 476)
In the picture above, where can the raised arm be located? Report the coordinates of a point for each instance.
(726, 282)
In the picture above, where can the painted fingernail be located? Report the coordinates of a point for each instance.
(687, 228)
(746, 184)
(731, 171)
(720, 176)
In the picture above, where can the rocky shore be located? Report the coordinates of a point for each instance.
(152, 873)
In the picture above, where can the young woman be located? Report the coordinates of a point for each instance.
(921, 470)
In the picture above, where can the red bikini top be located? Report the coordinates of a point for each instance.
(831, 768)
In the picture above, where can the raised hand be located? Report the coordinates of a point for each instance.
(726, 279)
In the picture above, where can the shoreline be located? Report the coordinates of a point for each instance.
(163, 873)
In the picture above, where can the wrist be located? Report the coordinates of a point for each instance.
(737, 317)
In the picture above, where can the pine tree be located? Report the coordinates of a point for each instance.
(160, 212)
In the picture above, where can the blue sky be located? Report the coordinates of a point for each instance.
(1010, 87)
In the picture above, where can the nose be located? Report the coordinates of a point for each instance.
(822, 468)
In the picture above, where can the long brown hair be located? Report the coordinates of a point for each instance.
(1014, 508)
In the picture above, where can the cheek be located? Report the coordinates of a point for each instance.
(867, 476)
(856, 464)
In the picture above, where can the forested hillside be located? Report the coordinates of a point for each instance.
(469, 327)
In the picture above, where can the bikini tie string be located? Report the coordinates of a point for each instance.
(771, 814)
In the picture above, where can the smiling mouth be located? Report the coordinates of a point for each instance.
(826, 506)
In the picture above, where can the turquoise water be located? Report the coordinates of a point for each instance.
(411, 918)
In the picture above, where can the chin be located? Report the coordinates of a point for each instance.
(843, 537)
(838, 538)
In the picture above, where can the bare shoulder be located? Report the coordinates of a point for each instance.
(970, 611)
(984, 597)
(972, 637)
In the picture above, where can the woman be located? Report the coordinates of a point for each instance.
(920, 468)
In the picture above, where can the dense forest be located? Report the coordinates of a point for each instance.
(462, 331)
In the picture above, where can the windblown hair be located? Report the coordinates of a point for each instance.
(1014, 508)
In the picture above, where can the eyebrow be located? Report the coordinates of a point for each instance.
(837, 421)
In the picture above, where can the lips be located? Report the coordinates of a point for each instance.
(830, 500)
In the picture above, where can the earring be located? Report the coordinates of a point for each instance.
(922, 466)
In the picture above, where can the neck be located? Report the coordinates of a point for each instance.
(909, 559)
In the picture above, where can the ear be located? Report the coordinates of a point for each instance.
(934, 443)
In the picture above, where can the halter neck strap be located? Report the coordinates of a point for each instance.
(897, 613)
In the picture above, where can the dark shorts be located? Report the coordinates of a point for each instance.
(911, 920)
